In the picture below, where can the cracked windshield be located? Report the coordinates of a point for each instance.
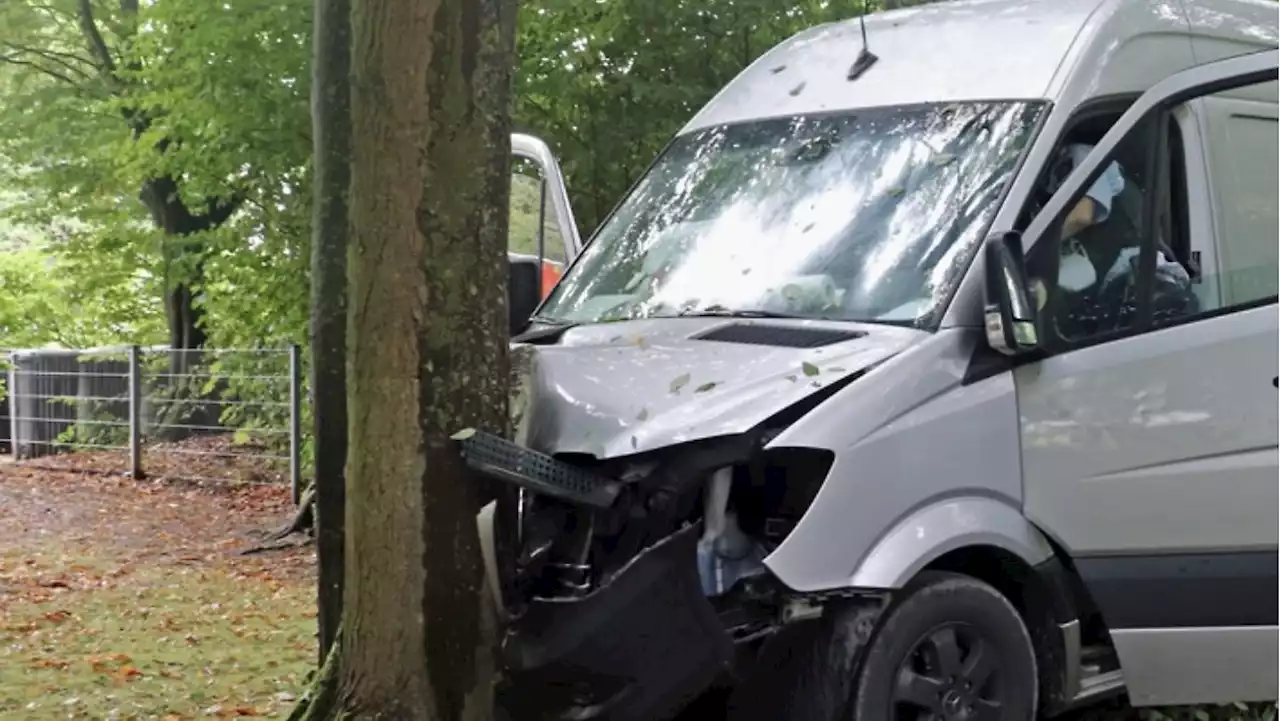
(863, 217)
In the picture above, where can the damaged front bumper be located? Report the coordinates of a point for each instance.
(637, 647)
(630, 635)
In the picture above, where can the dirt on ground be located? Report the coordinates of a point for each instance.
(124, 599)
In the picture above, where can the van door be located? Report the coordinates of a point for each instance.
(542, 236)
(1149, 430)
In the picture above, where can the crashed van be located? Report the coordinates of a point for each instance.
(930, 372)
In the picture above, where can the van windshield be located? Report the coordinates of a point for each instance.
(869, 216)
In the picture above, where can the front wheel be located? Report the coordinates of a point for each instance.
(952, 649)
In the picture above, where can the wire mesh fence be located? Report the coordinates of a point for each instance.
(211, 415)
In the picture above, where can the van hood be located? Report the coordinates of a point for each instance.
(617, 389)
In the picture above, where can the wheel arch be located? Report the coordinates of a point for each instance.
(945, 527)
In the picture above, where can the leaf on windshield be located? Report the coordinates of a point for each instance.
(942, 159)
(777, 69)
(897, 192)
(634, 442)
(793, 379)
(808, 228)
(705, 387)
(797, 89)
(809, 369)
(679, 382)
(746, 270)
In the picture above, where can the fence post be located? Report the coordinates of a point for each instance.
(12, 389)
(135, 413)
(295, 422)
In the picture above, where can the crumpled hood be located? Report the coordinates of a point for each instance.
(617, 389)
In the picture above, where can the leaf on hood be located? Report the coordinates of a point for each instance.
(809, 369)
(705, 387)
(643, 414)
(679, 382)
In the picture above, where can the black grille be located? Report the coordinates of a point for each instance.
(778, 336)
(501, 459)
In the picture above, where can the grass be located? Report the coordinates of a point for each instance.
(108, 610)
(171, 643)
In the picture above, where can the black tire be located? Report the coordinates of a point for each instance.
(806, 672)
(951, 648)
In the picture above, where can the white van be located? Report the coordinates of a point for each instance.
(930, 372)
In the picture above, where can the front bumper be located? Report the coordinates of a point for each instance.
(637, 649)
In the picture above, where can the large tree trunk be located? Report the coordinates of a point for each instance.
(331, 133)
(427, 350)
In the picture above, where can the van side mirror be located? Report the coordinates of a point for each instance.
(1008, 313)
(524, 292)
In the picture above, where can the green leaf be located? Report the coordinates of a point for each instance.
(809, 369)
(679, 382)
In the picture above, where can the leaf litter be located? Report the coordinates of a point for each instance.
(126, 599)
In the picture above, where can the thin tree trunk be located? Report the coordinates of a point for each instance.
(427, 350)
(331, 133)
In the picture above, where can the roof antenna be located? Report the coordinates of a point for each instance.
(865, 58)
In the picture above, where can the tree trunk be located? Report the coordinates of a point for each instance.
(172, 216)
(331, 133)
(184, 270)
(427, 350)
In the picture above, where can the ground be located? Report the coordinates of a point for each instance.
(122, 599)
(129, 600)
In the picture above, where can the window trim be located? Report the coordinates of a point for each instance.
(1156, 106)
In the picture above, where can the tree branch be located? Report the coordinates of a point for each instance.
(13, 60)
(97, 45)
(54, 56)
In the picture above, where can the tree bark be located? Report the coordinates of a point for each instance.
(331, 137)
(426, 350)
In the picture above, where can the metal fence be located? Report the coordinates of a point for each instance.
(222, 415)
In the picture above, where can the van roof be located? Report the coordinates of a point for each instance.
(977, 50)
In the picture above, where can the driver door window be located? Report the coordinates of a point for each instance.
(1084, 271)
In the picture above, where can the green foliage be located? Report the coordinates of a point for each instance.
(65, 301)
(608, 84)
(211, 95)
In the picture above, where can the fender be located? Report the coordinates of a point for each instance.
(939, 528)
